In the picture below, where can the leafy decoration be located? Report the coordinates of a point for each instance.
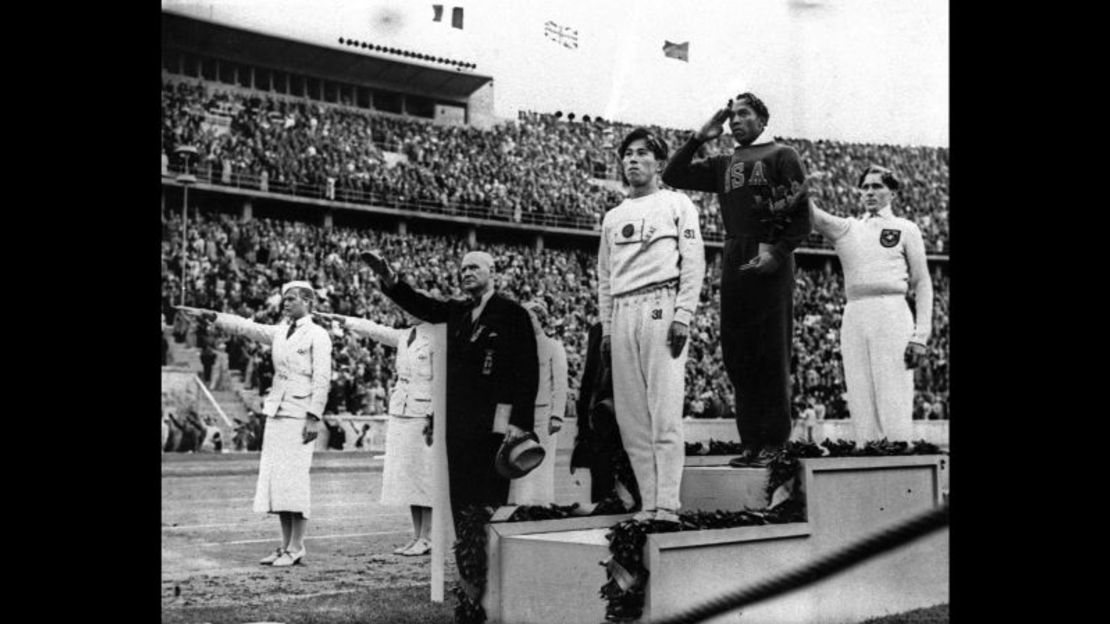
(470, 554)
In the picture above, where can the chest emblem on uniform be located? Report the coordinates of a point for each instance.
(890, 238)
(628, 230)
(487, 363)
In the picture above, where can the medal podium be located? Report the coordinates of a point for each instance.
(550, 571)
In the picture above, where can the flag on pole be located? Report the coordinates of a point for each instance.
(456, 15)
(680, 51)
(563, 35)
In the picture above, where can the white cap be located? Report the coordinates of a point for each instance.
(296, 284)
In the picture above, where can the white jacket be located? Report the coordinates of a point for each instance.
(649, 240)
(412, 394)
(552, 394)
(302, 363)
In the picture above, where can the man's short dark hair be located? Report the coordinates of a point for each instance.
(887, 176)
(757, 105)
(655, 143)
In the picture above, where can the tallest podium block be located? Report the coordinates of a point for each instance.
(548, 571)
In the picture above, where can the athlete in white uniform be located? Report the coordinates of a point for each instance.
(882, 257)
(650, 266)
(538, 486)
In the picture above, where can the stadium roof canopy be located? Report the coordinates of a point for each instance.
(205, 38)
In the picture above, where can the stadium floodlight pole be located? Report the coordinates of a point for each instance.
(185, 179)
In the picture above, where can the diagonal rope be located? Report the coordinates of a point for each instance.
(823, 567)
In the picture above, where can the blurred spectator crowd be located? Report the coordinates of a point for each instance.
(540, 168)
(238, 267)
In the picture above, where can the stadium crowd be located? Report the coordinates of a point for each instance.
(238, 267)
(542, 165)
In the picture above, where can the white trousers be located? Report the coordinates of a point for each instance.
(648, 388)
(538, 487)
(873, 339)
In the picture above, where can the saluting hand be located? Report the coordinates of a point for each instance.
(915, 354)
(192, 314)
(713, 128)
(379, 266)
(676, 337)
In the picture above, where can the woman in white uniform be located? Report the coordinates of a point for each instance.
(538, 486)
(407, 473)
(302, 378)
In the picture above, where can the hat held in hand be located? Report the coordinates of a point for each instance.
(519, 456)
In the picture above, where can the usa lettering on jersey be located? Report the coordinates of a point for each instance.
(757, 178)
(735, 177)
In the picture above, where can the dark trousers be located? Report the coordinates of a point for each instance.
(757, 328)
(606, 453)
(472, 478)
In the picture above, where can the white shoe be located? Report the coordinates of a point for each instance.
(666, 515)
(288, 558)
(401, 550)
(272, 557)
(420, 547)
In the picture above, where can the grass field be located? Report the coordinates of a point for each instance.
(407, 605)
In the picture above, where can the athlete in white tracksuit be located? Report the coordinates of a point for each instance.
(650, 266)
(882, 257)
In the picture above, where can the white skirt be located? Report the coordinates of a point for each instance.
(283, 480)
(407, 473)
(538, 487)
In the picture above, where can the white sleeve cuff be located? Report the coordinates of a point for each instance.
(682, 315)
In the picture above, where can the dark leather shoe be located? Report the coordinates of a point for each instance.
(745, 458)
(766, 455)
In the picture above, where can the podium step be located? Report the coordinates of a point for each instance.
(712, 488)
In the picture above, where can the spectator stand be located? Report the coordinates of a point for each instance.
(238, 266)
